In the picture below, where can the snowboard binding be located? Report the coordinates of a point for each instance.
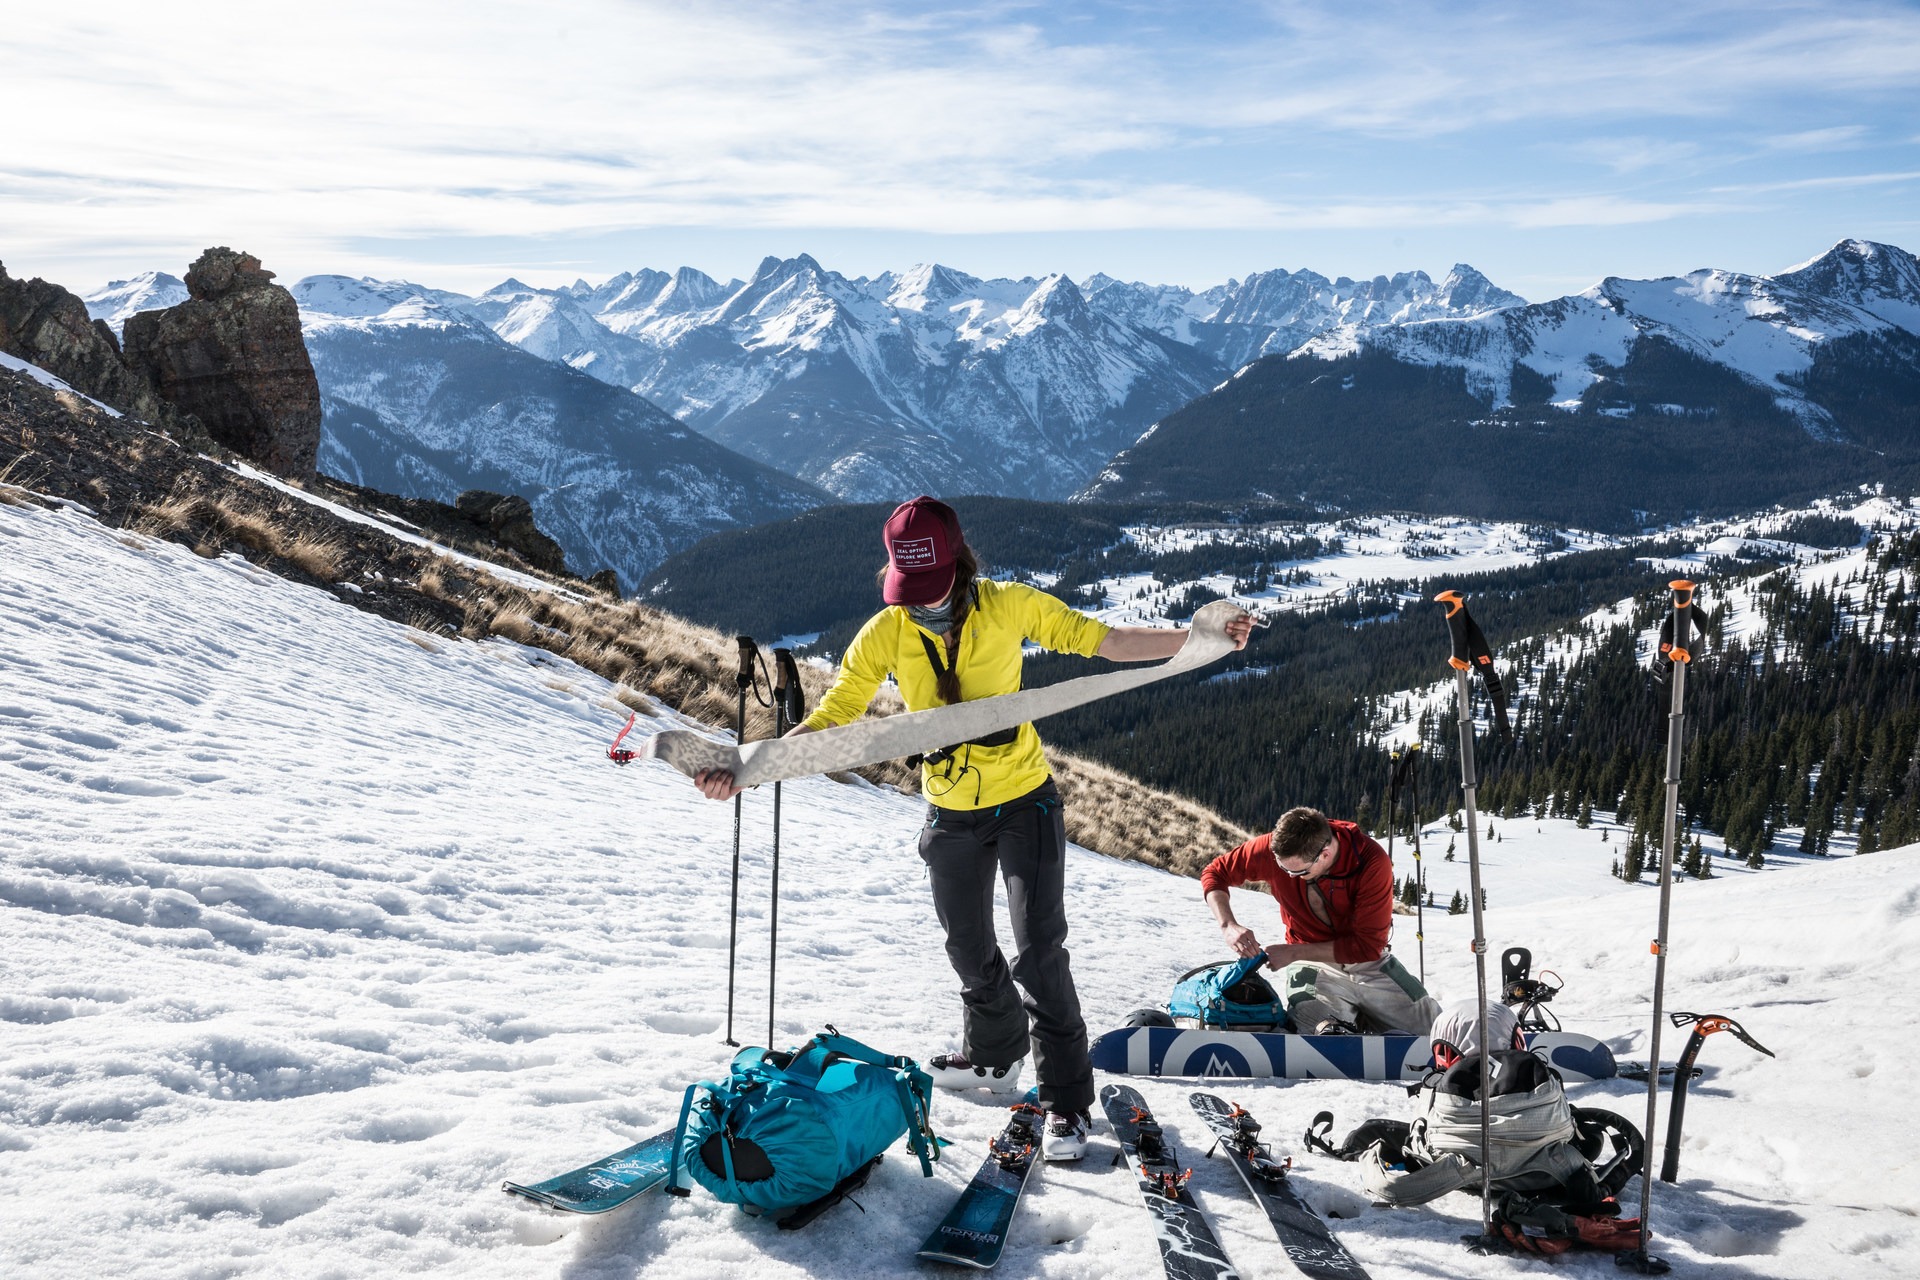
(1526, 994)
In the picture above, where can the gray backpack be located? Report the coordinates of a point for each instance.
(1574, 1157)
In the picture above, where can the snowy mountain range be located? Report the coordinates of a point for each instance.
(930, 379)
(933, 379)
(1697, 382)
(424, 400)
(1767, 329)
(1739, 389)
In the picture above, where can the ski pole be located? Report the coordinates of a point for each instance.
(789, 709)
(1704, 1025)
(1406, 772)
(1470, 650)
(1676, 645)
(742, 681)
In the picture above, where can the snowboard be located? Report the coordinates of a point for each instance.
(608, 1182)
(877, 738)
(1308, 1243)
(1188, 1248)
(1174, 1051)
(975, 1229)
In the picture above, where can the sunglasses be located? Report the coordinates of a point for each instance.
(1306, 866)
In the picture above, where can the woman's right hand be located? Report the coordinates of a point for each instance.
(1240, 940)
(716, 784)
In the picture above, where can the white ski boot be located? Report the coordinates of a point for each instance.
(1066, 1135)
(953, 1071)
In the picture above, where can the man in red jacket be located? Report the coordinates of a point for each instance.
(1334, 884)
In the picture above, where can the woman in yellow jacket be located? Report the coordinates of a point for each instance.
(950, 636)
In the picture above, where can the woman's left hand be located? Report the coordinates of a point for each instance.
(1240, 629)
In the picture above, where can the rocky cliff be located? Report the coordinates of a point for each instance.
(47, 326)
(232, 355)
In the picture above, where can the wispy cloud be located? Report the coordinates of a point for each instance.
(1838, 138)
(1634, 155)
(1835, 182)
(312, 126)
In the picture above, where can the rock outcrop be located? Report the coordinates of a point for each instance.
(45, 325)
(232, 356)
(508, 519)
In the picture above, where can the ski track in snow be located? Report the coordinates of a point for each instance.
(318, 928)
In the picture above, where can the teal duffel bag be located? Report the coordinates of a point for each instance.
(1229, 995)
(784, 1129)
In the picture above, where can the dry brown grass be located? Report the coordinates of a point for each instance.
(1122, 817)
(315, 554)
(219, 520)
(515, 624)
(434, 579)
(252, 528)
(175, 514)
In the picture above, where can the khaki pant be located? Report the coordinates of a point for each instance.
(1379, 996)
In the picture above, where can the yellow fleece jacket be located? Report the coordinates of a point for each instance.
(1007, 615)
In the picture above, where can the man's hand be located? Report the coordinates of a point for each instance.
(716, 784)
(1280, 955)
(1240, 939)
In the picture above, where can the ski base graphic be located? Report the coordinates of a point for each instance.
(1309, 1245)
(975, 1231)
(608, 1182)
(1254, 1055)
(1188, 1248)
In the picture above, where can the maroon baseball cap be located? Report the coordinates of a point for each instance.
(922, 537)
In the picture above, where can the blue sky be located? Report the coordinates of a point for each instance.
(1183, 143)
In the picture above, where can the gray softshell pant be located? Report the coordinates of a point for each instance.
(1025, 841)
(1376, 996)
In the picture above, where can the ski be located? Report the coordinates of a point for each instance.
(1303, 1235)
(975, 1229)
(608, 1182)
(876, 738)
(1188, 1248)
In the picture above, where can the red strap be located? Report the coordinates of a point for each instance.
(615, 753)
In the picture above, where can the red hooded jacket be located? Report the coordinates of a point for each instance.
(1358, 889)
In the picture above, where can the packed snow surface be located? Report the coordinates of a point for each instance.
(318, 928)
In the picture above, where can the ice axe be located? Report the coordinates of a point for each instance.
(1704, 1025)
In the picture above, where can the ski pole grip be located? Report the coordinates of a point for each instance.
(743, 678)
(1682, 592)
(1456, 629)
(787, 692)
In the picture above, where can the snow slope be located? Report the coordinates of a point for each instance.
(319, 927)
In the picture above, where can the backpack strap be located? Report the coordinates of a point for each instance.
(940, 755)
(1390, 1136)
(674, 1168)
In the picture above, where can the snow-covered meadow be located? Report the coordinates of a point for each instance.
(318, 927)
